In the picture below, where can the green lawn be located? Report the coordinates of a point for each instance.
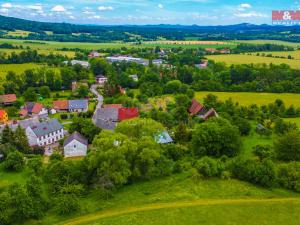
(234, 59)
(248, 98)
(153, 200)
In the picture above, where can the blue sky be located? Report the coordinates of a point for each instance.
(201, 12)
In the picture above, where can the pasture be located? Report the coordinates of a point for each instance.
(17, 68)
(232, 59)
(248, 98)
(70, 54)
(275, 42)
(18, 33)
(294, 54)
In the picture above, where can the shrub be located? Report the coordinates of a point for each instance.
(14, 161)
(287, 147)
(263, 151)
(289, 176)
(243, 125)
(208, 167)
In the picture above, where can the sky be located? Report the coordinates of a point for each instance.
(115, 12)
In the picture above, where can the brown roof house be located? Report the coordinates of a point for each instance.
(197, 109)
(61, 105)
(33, 109)
(8, 99)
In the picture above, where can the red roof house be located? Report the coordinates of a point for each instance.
(8, 99)
(195, 108)
(61, 105)
(127, 113)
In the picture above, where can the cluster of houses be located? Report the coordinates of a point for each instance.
(215, 51)
(71, 105)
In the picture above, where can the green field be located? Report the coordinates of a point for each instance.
(70, 54)
(253, 59)
(248, 98)
(294, 54)
(275, 42)
(18, 68)
(294, 120)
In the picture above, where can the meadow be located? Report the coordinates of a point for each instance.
(294, 54)
(17, 68)
(69, 54)
(275, 42)
(232, 59)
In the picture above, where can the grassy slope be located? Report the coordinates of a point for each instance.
(150, 200)
(253, 59)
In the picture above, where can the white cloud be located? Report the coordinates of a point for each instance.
(58, 8)
(242, 7)
(160, 6)
(6, 5)
(36, 7)
(251, 14)
(3, 10)
(95, 17)
(105, 8)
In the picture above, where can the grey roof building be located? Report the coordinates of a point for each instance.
(44, 128)
(78, 105)
(107, 118)
(76, 136)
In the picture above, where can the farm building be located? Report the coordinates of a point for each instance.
(75, 145)
(45, 133)
(8, 99)
(140, 61)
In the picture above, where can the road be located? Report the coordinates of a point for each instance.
(99, 98)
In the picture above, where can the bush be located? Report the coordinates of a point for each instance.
(243, 125)
(66, 204)
(287, 147)
(208, 167)
(262, 173)
(263, 151)
(14, 161)
(289, 176)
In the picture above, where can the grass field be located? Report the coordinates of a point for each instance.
(294, 120)
(18, 68)
(18, 33)
(248, 98)
(294, 54)
(70, 54)
(276, 42)
(253, 59)
(190, 44)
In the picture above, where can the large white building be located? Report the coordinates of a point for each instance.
(45, 133)
(76, 145)
(127, 59)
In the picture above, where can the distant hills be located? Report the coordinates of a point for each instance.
(130, 33)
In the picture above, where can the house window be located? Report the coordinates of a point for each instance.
(74, 146)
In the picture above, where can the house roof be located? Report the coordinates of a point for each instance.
(8, 98)
(107, 118)
(43, 128)
(2, 112)
(163, 138)
(61, 105)
(211, 113)
(23, 112)
(127, 113)
(32, 107)
(76, 136)
(195, 107)
(78, 104)
(116, 106)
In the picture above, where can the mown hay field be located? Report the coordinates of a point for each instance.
(232, 59)
(294, 54)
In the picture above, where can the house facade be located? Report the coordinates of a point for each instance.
(76, 145)
(45, 133)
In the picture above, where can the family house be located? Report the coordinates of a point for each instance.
(33, 109)
(45, 133)
(76, 145)
(94, 54)
(61, 105)
(100, 79)
(78, 105)
(3, 116)
(108, 117)
(199, 110)
(8, 99)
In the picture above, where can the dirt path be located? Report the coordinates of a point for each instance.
(144, 208)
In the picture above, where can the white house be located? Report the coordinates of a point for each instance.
(45, 133)
(75, 145)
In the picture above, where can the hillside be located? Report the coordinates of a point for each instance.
(71, 32)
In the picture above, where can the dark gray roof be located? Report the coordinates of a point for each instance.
(47, 127)
(107, 118)
(78, 104)
(76, 136)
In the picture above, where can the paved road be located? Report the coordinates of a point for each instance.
(99, 100)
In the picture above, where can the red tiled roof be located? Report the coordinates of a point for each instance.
(37, 108)
(23, 112)
(61, 105)
(128, 113)
(195, 107)
(115, 106)
(9, 98)
(2, 112)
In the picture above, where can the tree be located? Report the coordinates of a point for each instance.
(243, 125)
(14, 161)
(45, 91)
(7, 135)
(207, 167)
(282, 127)
(30, 95)
(82, 91)
(216, 137)
(21, 140)
(287, 147)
